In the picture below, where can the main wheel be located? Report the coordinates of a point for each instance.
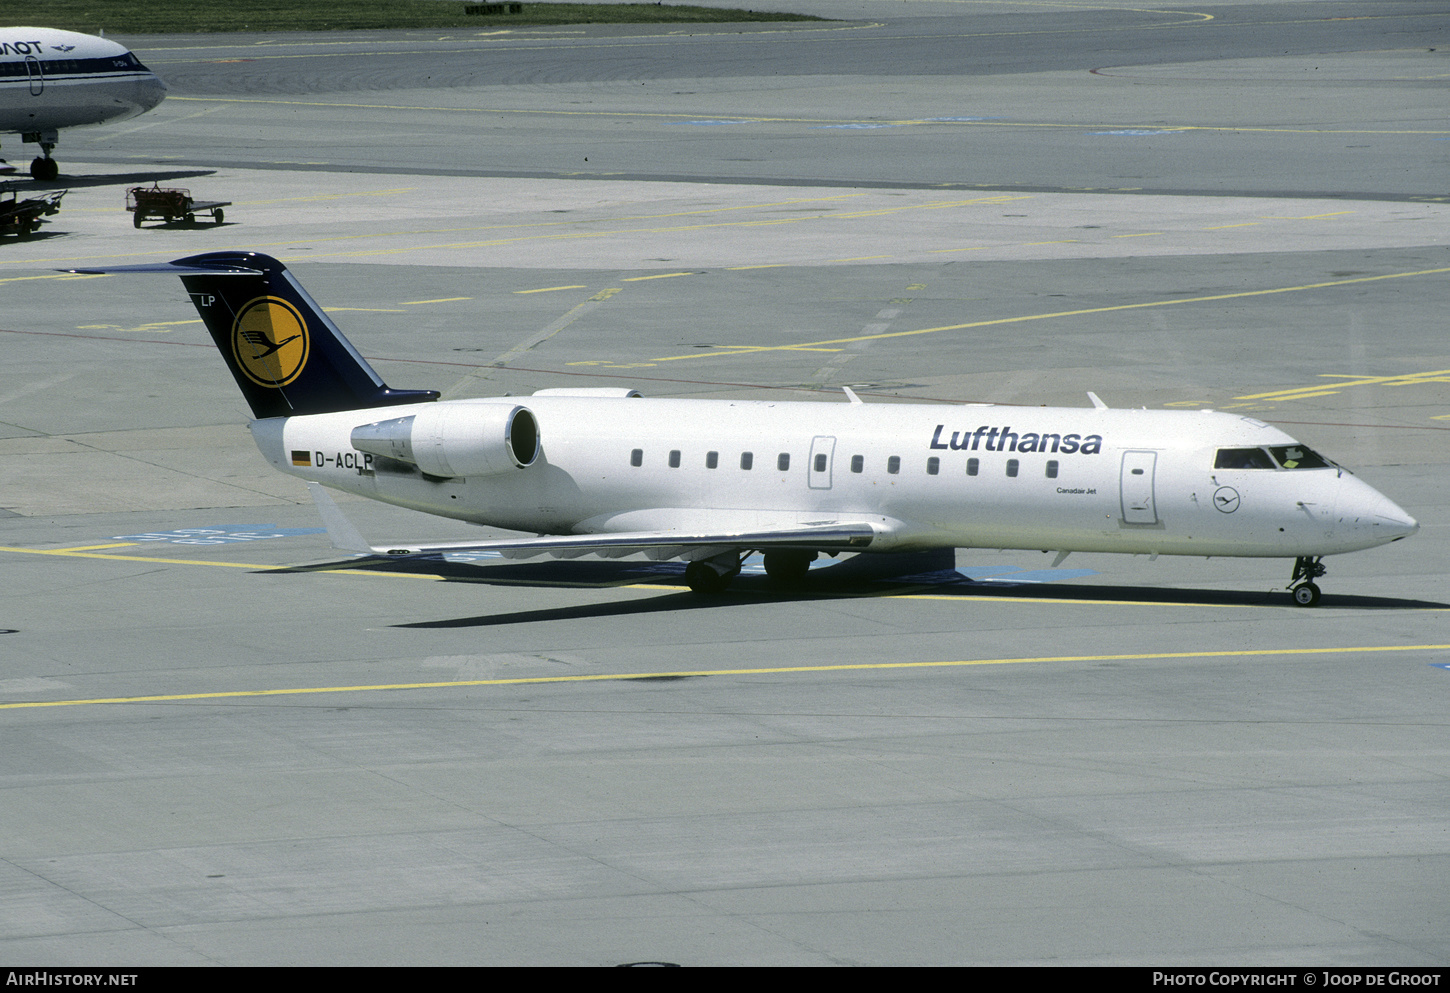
(44, 168)
(1306, 594)
(700, 578)
(789, 567)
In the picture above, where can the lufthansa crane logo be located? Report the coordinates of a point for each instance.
(1226, 499)
(270, 341)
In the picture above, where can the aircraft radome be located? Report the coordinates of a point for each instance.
(607, 472)
(50, 80)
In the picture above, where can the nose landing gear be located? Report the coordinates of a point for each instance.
(1306, 568)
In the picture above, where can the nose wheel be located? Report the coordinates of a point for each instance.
(1301, 584)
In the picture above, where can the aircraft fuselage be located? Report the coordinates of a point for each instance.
(50, 80)
(922, 476)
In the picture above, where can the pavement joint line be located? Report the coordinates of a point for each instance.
(762, 119)
(762, 671)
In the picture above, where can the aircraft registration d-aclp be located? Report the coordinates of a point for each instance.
(605, 471)
(52, 79)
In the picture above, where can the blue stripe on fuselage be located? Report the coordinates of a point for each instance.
(58, 69)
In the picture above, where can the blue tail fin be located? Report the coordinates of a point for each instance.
(284, 352)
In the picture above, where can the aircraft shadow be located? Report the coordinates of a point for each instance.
(66, 182)
(185, 225)
(834, 582)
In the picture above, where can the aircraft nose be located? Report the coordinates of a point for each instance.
(1369, 510)
(155, 91)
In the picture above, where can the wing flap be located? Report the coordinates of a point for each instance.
(671, 543)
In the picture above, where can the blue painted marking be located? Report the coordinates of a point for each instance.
(219, 534)
(1440, 665)
(1041, 576)
(1011, 575)
(1142, 132)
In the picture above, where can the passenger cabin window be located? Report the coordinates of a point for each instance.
(974, 466)
(782, 461)
(712, 459)
(747, 459)
(933, 466)
(674, 458)
(636, 457)
(858, 462)
(1012, 467)
(821, 462)
(893, 464)
(1052, 469)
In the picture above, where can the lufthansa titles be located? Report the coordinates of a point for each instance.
(1004, 439)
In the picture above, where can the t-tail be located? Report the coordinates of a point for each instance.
(284, 352)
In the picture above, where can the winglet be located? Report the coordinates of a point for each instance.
(1097, 403)
(344, 536)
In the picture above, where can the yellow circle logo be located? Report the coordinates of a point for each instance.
(269, 339)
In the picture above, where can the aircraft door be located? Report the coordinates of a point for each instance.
(1137, 487)
(37, 75)
(818, 473)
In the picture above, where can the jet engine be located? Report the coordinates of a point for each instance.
(456, 439)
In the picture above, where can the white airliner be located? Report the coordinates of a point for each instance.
(607, 472)
(52, 79)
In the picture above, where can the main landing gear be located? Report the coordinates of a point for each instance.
(1306, 568)
(710, 576)
(43, 168)
(787, 567)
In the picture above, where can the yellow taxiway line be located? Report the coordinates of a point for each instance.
(772, 670)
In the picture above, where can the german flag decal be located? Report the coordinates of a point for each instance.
(301, 458)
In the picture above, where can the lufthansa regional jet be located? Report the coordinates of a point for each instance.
(52, 79)
(607, 472)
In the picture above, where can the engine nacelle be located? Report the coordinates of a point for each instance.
(456, 439)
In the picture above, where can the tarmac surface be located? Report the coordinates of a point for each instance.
(222, 742)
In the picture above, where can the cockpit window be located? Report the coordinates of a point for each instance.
(1274, 457)
(1299, 457)
(1243, 458)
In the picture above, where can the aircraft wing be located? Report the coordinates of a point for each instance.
(825, 535)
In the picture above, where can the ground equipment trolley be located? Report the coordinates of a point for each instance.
(170, 204)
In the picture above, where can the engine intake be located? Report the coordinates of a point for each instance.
(456, 439)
